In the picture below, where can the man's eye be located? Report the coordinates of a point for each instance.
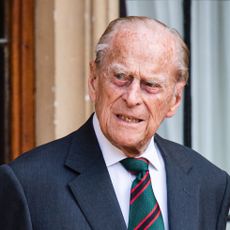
(120, 76)
(152, 87)
(120, 79)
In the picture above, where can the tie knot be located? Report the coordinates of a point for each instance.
(135, 165)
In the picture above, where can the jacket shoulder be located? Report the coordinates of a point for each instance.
(43, 153)
(186, 156)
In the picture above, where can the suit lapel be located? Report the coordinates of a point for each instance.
(182, 193)
(92, 188)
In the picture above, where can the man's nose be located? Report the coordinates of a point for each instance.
(132, 95)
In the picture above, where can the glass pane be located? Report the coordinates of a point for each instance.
(4, 82)
(1, 103)
(2, 21)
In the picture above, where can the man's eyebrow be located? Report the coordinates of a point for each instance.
(118, 67)
(154, 80)
(155, 76)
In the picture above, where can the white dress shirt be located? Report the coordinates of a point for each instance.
(122, 179)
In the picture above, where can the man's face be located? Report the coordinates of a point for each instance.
(134, 89)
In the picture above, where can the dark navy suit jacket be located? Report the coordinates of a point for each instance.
(65, 185)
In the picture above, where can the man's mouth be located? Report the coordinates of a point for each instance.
(128, 119)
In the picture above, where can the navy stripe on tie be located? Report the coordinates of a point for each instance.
(149, 219)
(140, 187)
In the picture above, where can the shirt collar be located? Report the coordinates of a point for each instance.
(112, 155)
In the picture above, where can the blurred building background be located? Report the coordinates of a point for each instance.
(45, 48)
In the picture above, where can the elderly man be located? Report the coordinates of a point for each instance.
(115, 172)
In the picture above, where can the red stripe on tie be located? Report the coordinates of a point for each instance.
(154, 208)
(154, 219)
(141, 191)
(143, 159)
(142, 179)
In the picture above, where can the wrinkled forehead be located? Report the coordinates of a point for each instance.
(143, 49)
(147, 44)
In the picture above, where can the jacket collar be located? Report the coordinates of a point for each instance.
(182, 187)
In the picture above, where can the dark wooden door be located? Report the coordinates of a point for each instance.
(17, 126)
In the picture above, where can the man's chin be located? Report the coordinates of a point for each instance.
(131, 149)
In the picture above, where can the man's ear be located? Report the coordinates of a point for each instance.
(92, 83)
(177, 98)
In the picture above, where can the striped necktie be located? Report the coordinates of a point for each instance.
(144, 211)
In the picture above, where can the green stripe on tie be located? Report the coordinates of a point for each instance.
(144, 211)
